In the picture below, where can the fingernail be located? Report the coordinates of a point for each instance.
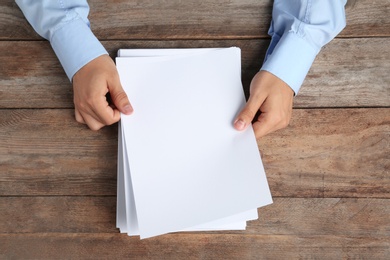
(127, 110)
(239, 124)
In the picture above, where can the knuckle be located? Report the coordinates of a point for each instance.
(276, 119)
(108, 121)
(95, 127)
(81, 106)
(282, 120)
(285, 123)
(79, 120)
(89, 101)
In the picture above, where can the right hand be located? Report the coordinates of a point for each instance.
(91, 84)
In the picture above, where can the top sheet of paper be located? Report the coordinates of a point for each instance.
(188, 164)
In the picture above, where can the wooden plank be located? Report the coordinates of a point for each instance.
(286, 216)
(58, 214)
(190, 246)
(32, 77)
(330, 153)
(58, 179)
(212, 19)
(323, 153)
(347, 73)
(48, 152)
(363, 17)
(13, 25)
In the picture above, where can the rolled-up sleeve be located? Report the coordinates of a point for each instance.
(65, 24)
(299, 29)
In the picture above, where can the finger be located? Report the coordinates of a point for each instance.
(263, 125)
(88, 110)
(106, 114)
(78, 116)
(119, 97)
(247, 114)
(269, 122)
(92, 123)
(99, 109)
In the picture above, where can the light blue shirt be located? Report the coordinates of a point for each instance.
(299, 29)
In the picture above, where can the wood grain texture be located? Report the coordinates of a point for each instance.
(13, 24)
(330, 153)
(286, 216)
(328, 171)
(211, 19)
(32, 77)
(347, 73)
(47, 151)
(323, 153)
(366, 18)
(191, 246)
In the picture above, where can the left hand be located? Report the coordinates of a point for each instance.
(273, 98)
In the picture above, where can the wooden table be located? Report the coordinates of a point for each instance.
(328, 171)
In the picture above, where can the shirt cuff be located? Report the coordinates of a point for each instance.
(290, 60)
(75, 45)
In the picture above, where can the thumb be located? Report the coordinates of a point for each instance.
(245, 117)
(119, 97)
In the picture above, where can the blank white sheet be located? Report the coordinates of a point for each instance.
(188, 165)
(126, 212)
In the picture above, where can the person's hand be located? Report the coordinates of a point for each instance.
(91, 84)
(273, 98)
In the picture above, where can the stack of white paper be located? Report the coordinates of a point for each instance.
(181, 164)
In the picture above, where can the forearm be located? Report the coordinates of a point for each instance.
(65, 24)
(298, 33)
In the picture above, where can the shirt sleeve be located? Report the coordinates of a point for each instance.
(65, 24)
(299, 29)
